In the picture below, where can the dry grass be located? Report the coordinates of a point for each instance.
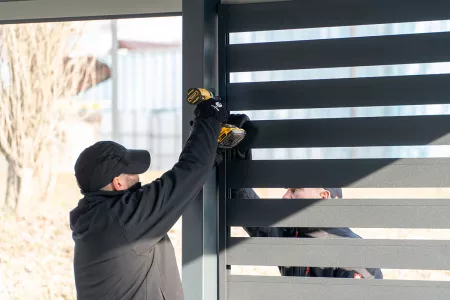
(36, 250)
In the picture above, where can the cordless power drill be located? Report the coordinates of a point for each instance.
(230, 135)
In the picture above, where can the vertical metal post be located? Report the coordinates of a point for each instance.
(223, 230)
(199, 242)
(114, 78)
(223, 234)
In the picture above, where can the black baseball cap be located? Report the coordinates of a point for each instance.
(335, 192)
(98, 164)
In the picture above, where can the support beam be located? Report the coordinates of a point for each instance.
(200, 69)
(57, 10)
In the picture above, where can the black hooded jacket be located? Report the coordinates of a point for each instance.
(312, 271)
(122, 250)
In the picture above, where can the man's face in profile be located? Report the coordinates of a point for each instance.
(306, 193)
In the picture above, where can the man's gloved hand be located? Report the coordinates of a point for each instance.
(237, 120)
(211, 108)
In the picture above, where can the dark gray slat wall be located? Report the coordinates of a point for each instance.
(330, 13)
(291, 288)
(345, 52)
(337, 213)
(337, 252)
(282, 173)
(346, 92)
(348, 132)
(356, 173)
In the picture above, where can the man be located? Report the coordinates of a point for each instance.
(122, 250)
(299, 193)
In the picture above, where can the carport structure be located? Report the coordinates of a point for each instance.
(208, 60)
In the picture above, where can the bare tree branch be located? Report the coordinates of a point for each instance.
(38, 77)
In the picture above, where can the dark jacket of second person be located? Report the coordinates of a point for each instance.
(293, 232)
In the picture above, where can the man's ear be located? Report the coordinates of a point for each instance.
(324, 194)
(117, 184)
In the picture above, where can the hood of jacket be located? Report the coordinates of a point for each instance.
(89, 206)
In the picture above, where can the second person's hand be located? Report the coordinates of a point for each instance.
(236, 153)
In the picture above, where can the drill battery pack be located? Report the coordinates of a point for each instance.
(197, 95)
(230, 136)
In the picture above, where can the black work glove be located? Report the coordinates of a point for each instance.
(211, 109)
(239, 120)
(236, 153)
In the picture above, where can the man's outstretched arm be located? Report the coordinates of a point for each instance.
(148, 213)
